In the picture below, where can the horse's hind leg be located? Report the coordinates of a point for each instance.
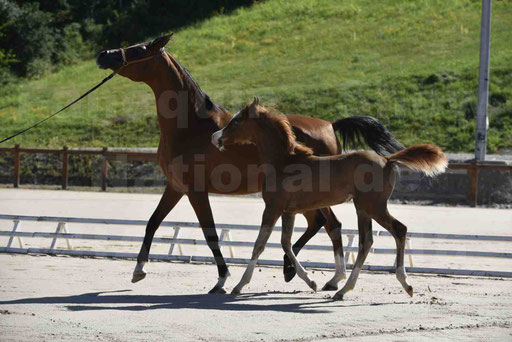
(399, 231)
(168, 201)
(315, 220)
(286, 243)
(364, 222)
(333, 228)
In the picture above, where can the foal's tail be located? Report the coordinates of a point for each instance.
(355, 129)
(427, 158)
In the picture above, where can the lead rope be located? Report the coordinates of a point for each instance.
(125, 63)
(67, 106)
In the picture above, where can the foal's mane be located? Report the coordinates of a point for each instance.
(281, 126)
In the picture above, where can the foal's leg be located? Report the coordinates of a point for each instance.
(270, 216)
(201, 205)
(333, 228)
(315, 220)
(365, 242)
(168, 201)
(399, 231)
(286, 242)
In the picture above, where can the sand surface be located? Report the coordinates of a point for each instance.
(66, 298)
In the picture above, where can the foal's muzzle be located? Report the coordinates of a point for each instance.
(217, 140)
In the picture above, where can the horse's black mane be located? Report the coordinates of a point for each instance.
(191, 83)
(209, 104)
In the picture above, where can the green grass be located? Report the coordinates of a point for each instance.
(411, 64)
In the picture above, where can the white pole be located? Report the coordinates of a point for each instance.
(483, 82)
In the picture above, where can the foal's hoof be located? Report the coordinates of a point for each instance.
(409, 291)
(338, 296)
(289, 273)
(313, 286)
(235, 291)
(217, 290)
(329, 287)
(138, 277)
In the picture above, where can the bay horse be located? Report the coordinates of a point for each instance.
(187, 117)
(301, 181)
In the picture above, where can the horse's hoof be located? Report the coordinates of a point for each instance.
(217, 290)
(410, 291)
(329, 287)
(338, 296)
(235, 291)
(289, 273)
(313, 286)
(138, 277)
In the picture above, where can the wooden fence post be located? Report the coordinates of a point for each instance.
(64, 167)
(104, 170)
(17, 166)
(473, 172)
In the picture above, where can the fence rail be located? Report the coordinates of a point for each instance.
(62, 232)
(472, 167)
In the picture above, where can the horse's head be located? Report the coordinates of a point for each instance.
(242, 129)
(136, 62)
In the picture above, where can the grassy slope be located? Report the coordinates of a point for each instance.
(411, 64)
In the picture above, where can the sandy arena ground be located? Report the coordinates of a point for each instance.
(64, 298)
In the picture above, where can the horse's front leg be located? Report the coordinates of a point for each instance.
(168, 201)
(286, 242)
(270, 216)
(201, 204)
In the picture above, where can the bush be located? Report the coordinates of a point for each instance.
(46, 34)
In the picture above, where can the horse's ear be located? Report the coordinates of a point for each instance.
(252, 107)
(160, 42)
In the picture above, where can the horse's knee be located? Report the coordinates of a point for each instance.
(257, 251)
(400, 229)
(286, 244)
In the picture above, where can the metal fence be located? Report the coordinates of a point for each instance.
(175, 252)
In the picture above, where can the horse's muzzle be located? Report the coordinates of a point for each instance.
(109, 59)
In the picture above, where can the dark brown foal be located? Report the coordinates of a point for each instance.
(297, 181)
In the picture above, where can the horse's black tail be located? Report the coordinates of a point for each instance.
(357, 130)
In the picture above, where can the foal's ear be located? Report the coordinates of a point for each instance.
(160, 42)
(252, 108)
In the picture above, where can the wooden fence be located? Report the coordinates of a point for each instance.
(472, 167)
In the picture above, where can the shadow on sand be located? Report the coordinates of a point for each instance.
(246, 302)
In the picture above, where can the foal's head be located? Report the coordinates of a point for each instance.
(255, 124)
(136, 62)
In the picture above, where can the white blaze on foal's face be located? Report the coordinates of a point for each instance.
(216, 139)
